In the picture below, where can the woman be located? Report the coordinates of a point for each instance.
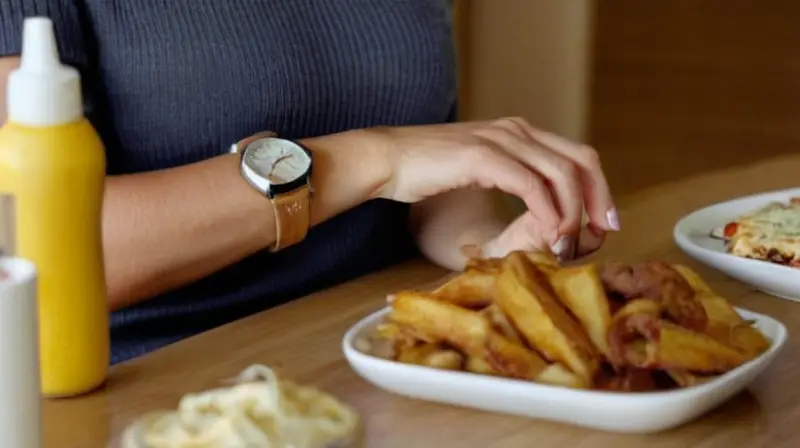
(368, 86)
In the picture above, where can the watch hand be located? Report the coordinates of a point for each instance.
(277, 161)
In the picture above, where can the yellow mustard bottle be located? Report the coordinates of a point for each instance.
(52, 161)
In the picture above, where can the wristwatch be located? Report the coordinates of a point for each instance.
(281, 170)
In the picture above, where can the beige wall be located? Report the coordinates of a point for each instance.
(529, 58)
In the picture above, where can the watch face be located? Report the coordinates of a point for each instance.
(279, 161)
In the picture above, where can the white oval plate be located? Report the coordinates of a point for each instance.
(692, 235)
(610, 411)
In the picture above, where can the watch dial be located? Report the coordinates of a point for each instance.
(280, 161)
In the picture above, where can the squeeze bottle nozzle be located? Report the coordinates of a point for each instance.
(42, 91)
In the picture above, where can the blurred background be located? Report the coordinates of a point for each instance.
(663, 89)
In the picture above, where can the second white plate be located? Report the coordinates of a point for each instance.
(692, 235)
(611, 411)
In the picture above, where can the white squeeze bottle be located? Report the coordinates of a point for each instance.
(53, 163)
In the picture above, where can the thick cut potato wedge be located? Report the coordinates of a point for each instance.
(727, 326)
(472, 289)
(467, 330)
(681, 348)
(546, 262)
(638, 319)
(525, 295)
(471, 333)
(432, 355)
(695, 281)
(475, 364)
(640, 338)
(554, 374)
(628, 327)
(724, 323)
(500, 323)
(485, 265)
(581, 291)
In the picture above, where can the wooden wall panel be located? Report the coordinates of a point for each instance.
(685, 86)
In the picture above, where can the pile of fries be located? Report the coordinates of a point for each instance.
(527, 317)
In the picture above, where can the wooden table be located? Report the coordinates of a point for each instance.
(303, 340)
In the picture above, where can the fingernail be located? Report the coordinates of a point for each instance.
(613, 218)
(564, 248)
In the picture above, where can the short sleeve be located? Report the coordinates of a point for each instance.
(67, 21)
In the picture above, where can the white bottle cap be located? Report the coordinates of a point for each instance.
(42, 91)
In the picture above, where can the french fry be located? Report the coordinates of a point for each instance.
(558, 375)
(485, 265)
(479, 365)
(500, 323)
(581, 291)
(431, 355)
(681, 348)
(416, 354)
(659, 281)
(527, 317)
(400, 336)
(640, 339)
(467, 330)
(724, 323)
(525, 295)
(470, 332)
(472, 289)
(554, 374)
(695, 281)
(727, 326)
(637, 319)
(546, 262)
(441, 321)
(445, 359)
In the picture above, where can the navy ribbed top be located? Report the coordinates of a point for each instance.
(171, 82)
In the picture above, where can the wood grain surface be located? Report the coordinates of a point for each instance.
(681, 87)
(302, 340)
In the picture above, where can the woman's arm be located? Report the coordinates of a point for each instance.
(469, 222)
(164, 229)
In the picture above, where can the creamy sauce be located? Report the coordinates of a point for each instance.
(259, 411)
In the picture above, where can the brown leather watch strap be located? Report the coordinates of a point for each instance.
(292, 217)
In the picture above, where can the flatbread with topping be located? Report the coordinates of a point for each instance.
(770, 234)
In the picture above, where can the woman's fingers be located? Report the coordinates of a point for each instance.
(491, 168)
(524, 233)
(561, 173)
(592, 238)
(596, 192)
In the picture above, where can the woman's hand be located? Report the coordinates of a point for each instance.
(557, 179)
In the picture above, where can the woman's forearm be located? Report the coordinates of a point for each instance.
(167, 228)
